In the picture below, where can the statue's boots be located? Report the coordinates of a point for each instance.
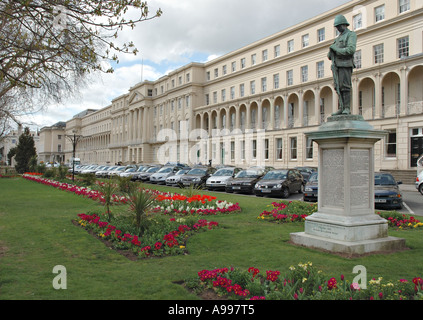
(346, 98)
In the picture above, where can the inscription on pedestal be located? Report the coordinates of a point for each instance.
(359, 178)
(326, 230)
(332, 186)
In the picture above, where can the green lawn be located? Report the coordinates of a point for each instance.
(36, 234)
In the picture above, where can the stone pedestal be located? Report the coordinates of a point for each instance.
(346, 221)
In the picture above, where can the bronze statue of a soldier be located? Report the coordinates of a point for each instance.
(341, 54)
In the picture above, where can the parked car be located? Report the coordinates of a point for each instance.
(103, 173)
(115, 172)
(419, 182)
(174, 180)
(306, 171)
(245, 180)
(217, 181)
(160, 176)
(141, 169)
(197, 176)
(310, 188)
(128, 172)
(91, 169)
(145, 175)
(387, 193)
(279, 183)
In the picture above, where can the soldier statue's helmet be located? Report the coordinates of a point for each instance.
(339, 20)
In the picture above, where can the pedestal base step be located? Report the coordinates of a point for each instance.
(354, 248)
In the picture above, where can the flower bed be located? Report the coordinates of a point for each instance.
(297, 211)
(170, 241)
(288, 211)
(400, 221)
(167, 203)
(302, 282)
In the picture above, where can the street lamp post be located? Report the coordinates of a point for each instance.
(74, 139)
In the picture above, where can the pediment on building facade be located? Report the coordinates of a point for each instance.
(135, 96)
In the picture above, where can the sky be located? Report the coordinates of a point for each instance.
(188, 31)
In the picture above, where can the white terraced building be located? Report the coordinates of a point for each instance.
(254, 105)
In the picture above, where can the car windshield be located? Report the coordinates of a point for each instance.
(120, 169)
(130, 170)
(181, 172)
(165, 170)
(153, 169)
(384, 180)
(223, 172)
(197, 171)
(275, 175)
(247, 174)
(313, 177)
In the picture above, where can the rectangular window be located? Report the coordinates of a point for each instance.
(304, 74)
(321, 35)
(208, 75)
(242, 149)
(293, 148)
(358, 21)
(253, 59)
(233, 66)
(305, 40)
(242, 63)
(391, 144)
(277, 51)
(279, 149)
(224, 71)
(290, 46)
(207, 100)
(320, 69)
(290, 77)
(232, 93)
(263, 84)
(216, 73)
(223, 95)
(404, 5)
(357, 59)
(309, 149)
(380, 13)
(378, 53)
(215, 97)
(253, 87)
(276, 81)
(254, 149)
(266, 149)
(264, 55)
(241, 90)
(59, 148)
(232, 150)
(403, 47)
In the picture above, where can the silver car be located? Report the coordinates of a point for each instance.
(175, 179)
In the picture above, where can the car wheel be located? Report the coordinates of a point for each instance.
(285, 193)
(421, 188)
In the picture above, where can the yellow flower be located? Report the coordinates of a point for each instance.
(182, 247)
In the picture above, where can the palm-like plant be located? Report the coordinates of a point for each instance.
(108, 189)
(140, 203)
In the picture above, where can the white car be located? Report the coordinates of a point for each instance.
(160, 176)
(175, 179)
(128, 172)
(419, 182)
(220, 177)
